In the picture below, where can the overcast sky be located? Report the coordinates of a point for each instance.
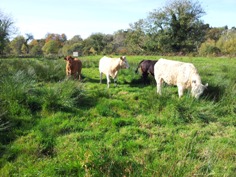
(85, 17)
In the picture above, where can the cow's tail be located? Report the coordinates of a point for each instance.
(136, 71)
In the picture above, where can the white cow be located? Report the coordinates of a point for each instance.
(184, 75)
(111, 66)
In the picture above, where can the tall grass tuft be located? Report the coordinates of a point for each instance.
(62, 96)
(14, 91)
(49, 71)
(15, 115)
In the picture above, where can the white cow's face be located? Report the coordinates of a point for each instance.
(197, 90)
(124, 63)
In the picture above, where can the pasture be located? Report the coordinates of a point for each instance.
(53, 126)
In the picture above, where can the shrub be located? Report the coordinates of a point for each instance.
(14, 90)
(208, 48)
(61, 96)
(49, 70)
(227, 43)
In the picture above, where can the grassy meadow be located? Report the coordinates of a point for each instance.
(53, 126)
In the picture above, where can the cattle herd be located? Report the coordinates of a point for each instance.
(181, 74)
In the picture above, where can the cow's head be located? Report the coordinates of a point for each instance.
(69, 60)
(124, 63)
(198, 89)
(69, 63)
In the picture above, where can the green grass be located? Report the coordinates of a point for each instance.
(52, 126)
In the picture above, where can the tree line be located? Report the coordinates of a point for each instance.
(176, 28)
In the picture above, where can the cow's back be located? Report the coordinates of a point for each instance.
(77, 65)
(148, 66)
(151, 67)
(104, 64)
(173, 72)
(167, 70)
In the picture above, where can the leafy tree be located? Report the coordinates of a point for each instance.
(177, 26)
(51, 47)
(36, 47)
(214, 33)
(75, 39)
(92, 51)
(7, 29)
(16, 45)
(136, 38)
(36, 50)
(53, 43)
(108, 46)
(24, 49)
(65, 50)
(60, 38)
(209, 48)
(98, 42)
(95, 43)
(119, 45)
(27, 39)
(227, 42)
(87, 45)
(72, 45)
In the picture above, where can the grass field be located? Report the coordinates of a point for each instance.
(53, 126)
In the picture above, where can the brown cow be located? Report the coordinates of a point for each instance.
(147, 66)
(73, 66)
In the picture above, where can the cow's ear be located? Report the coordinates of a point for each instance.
(65, 58)
(123, 58)
(71, 58)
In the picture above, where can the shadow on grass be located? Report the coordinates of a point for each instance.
(92, 80)
(85, 101)
(213, 93)
(139, 83)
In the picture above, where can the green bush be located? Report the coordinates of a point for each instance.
(14, 90)
(61, 96)
(209, 48)
(227, 43)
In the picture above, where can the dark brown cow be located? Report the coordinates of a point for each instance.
(147, 66)
(73, 66)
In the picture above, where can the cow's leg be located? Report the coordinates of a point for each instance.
(100, 77)
(79, 74)
(67, 74)
(108, 81)
(145, 77)
(115, 81)
(159, 83)
(180, 90)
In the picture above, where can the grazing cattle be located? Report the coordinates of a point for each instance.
(146, 66)
(73, 66)
(183, 75)
(111, 66)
